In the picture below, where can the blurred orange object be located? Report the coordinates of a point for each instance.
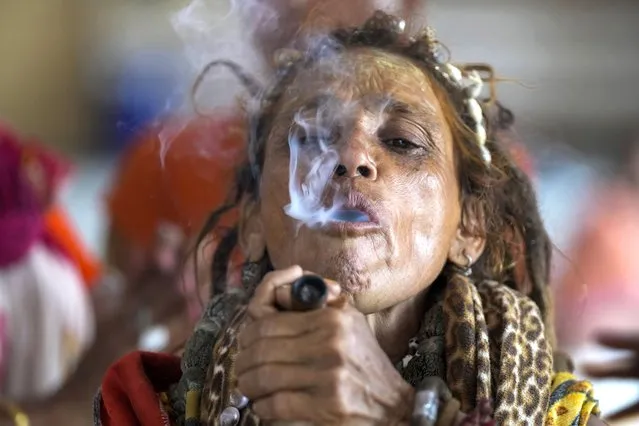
(600, 289)
(59, 228)
(523, 158)
(177, 172)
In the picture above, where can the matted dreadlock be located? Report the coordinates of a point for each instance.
(497, 190)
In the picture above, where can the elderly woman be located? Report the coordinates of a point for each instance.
(373, 164)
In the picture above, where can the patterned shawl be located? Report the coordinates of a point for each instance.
(486, 341)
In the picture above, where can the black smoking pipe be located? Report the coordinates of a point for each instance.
(308, 292)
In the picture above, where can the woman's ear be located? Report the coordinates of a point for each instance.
(251, 231)
(470, 241)
(466, 249)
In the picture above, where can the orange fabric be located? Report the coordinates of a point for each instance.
(58, 226)
(178, 172)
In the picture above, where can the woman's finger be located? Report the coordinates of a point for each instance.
(303, 350)
(264, 300)
(269, 379)
(286, 406)
(283, 325)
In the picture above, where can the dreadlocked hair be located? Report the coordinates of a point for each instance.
(499, 193)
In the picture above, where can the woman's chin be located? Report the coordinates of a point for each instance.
(352, 267)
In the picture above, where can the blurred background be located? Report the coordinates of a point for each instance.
(86, 79)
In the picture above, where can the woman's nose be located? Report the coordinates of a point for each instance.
(355, 161)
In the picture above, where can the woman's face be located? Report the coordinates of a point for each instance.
(395, 162)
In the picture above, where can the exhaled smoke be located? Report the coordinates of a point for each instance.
(212, 30)
(314, 160)
(319, 132)
(167, 134)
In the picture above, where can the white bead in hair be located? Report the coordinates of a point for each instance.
(470, 84)
(480, 130)
(485, 155)
(453, 72)
(474, 110)
(474, 85)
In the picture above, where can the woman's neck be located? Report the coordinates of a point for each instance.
(395, 326)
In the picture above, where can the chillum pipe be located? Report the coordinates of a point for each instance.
(308, 292)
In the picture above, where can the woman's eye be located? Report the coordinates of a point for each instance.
(400, 144)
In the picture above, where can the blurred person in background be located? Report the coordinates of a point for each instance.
(160, 197)
(602, 281)
(46, 272)
(598, 294)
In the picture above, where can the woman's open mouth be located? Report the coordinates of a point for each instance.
(357, 216)
(350, 215)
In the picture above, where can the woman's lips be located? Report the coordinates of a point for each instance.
(357, 216)
(350, 229)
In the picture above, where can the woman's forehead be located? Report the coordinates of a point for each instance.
(366, 76)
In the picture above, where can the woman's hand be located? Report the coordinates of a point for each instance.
(626, 369)
(323, 366)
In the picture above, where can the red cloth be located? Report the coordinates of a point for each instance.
(131, 386)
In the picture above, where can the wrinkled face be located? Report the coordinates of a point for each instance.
(393, 159)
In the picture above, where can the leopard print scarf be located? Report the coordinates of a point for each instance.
(486, 341)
